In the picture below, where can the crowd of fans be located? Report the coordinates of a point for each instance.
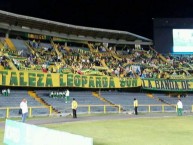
(96, 60)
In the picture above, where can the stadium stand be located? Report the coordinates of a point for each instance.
(20, 47)
(172, 100)
(82, 97)
(125, 99)
(14, 100)
(114, 62)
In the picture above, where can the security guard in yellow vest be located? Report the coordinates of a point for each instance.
(135, 104)
(74, 107)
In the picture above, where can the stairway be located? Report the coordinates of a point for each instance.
(1, 45)
(55, 46)
(30, 48)
(105, 66)
(115, 56)
(103, 63)
(41, 101)
(12, 66)
(67, 49)
(10, 44)
(160, 56)
(158, 99)
(97, 95)
(90, 46)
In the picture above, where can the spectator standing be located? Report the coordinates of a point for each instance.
(67, 96)
(74, 107)
(135, 104)
(179, 107)
(24, 108)
(8, 92)
(4, 92)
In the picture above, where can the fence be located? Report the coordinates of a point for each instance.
(40, 110)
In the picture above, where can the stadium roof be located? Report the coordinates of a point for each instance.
(21, 23)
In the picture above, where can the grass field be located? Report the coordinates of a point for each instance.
(141, 131)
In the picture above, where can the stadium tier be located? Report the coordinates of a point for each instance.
(98, 66)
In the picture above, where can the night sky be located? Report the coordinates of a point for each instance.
(134, 16)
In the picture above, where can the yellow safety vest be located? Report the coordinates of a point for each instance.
(74, 104)
(135, 103)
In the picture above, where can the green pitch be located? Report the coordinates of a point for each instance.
(141, 131)
(157, 131)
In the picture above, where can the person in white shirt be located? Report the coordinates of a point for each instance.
(24, 108)
(8, 91)
(67, 96)
(179, 107)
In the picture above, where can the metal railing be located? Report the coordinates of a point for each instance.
(6, 112)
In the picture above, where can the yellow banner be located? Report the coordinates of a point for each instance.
(32, 79)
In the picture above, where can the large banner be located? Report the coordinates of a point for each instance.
(34, 79)
(168, 84)
(38, 79)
